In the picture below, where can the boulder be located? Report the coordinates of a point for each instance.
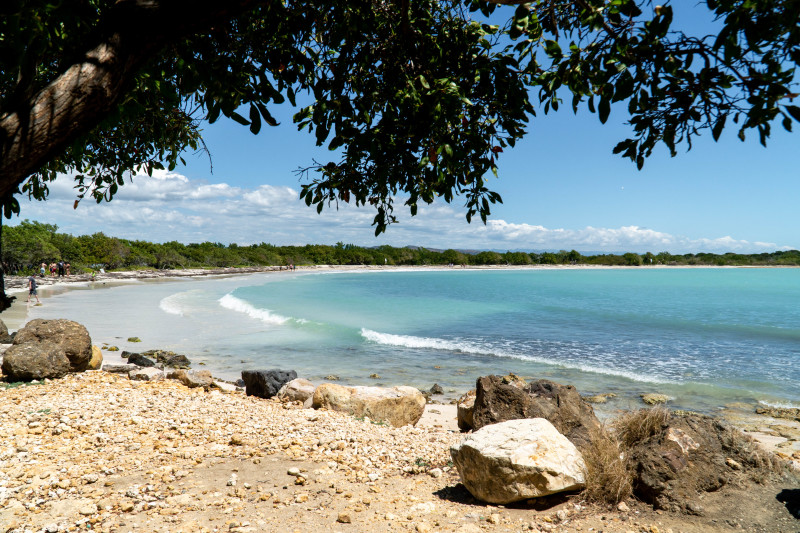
(297, 390)
(690, 454)
(149, 373)
(518, 460)
(498, 399)
(398, 406)
(47, 349)
(193, 378)
(465, 407)
(266, 383)
(138, 359)
(5, 338)
(27, 362)
(97, 359)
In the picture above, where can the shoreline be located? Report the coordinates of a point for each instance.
(776, 434)
(17, 285)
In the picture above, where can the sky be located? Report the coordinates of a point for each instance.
(562, 188)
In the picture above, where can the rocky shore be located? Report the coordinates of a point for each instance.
(98, 451)
(101, 450)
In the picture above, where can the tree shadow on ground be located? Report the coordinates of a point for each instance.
(458, 493)
(791, 499)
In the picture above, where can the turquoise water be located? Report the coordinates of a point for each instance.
(706, 337)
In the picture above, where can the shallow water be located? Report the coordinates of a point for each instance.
(706, 337)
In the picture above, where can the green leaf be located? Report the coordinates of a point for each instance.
(239, 118)
(603, 110)
(552, 49)
(794, 111)
(717, 129)
(268, 118)
(255, 120)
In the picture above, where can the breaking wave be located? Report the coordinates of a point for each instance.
(475, 348)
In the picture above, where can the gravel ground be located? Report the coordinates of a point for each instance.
(96, 451)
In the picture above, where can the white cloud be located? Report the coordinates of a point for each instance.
(170, 206)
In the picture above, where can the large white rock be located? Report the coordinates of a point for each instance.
(397, 406)
(517, 460)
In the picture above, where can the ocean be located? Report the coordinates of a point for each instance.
(706, 337)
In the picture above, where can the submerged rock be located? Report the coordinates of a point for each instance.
(169, 359)
(600, 398)
(517, 460)
(652, 398)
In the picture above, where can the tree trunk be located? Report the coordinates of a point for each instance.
(5, 301)
(35, 131)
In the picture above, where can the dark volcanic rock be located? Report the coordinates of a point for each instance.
(48, 349)
(691, 454)
(498, 399)
(139, 360)
(168, 359)
(266, 383)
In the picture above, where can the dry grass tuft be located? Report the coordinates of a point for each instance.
(609, 477)
(636, 426)
(746, 449)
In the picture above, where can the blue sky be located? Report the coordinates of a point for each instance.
(562, 189)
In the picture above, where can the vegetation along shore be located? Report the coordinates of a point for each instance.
(28, 244)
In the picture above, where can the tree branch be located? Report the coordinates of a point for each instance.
(35, 130)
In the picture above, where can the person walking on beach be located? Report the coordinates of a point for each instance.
(42, 269)
(32, 289)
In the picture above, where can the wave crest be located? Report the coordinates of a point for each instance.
(410, 341)
(233, 303)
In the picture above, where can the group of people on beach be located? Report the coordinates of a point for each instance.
(59, 269)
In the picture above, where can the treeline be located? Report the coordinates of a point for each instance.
(29, 244)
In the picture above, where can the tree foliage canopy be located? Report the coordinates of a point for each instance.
(416, 100)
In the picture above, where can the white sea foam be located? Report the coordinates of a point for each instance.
(171, 304)
(233, 303)
(780, 405)
(410, 341)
